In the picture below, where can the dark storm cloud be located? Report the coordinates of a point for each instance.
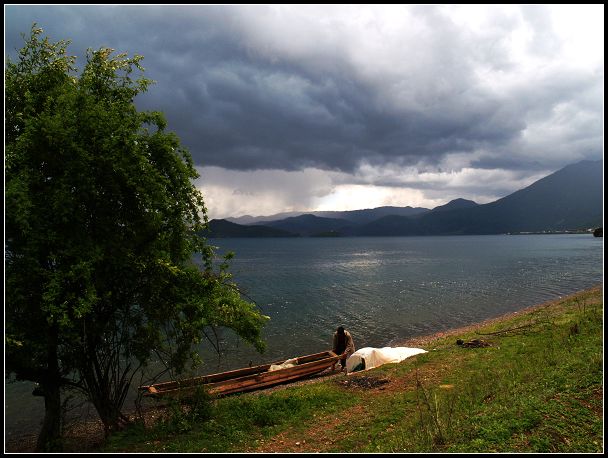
(244, 103)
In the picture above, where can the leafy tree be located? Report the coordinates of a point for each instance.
(102, 223)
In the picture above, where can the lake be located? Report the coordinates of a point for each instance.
(382, 289)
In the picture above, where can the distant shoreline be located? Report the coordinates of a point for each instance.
(343, 236)
(575, 231)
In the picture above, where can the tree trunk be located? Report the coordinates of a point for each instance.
(49, 439)
(111, 416)
(106, 390)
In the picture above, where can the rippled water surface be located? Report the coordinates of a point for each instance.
(389, 289)
(384, 290)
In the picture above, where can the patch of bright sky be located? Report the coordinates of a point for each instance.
(265, 192)
(355, 197)
(581, 28)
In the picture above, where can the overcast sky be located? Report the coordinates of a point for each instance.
(289, 108)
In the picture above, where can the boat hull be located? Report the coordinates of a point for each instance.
(246, 379)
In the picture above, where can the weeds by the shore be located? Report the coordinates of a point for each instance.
(537, 387)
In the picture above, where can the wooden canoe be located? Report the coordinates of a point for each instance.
(245, 379)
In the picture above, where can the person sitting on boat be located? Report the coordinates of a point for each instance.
(343, 345)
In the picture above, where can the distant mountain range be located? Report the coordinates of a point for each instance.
(354, 216)
(569, 199)
(223, 228)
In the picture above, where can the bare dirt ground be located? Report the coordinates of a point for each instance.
(87, 436)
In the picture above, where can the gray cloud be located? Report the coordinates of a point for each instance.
(340, 87)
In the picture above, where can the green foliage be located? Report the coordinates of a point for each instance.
(102, 222)
(236, 421)
(187, 414)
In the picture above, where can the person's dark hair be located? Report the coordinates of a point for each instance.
(341, 330)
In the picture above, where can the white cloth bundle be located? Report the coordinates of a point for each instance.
(374, 357)
(284, 365)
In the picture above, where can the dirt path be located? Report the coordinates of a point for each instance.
(326, 432)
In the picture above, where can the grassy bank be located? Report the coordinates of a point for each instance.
(536, 387)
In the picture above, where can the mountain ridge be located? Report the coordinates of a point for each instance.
(570, 198)
(359, 215)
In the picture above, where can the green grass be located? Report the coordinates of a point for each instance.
(238, 422)
(537, 388)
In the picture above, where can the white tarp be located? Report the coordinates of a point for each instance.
(374, 357)
(288, 363)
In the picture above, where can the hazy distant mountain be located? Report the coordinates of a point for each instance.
(371, 214)
(309, 224)
(571, 198)
(455, 204)
(248, 219)
(220, 228)
(355, 216)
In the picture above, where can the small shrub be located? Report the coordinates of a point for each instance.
(188, 412)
